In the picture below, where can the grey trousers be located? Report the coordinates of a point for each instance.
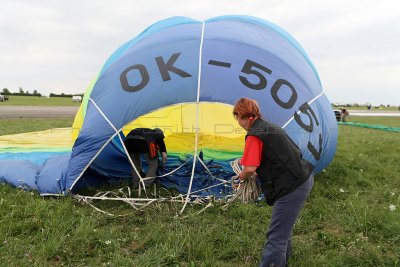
(278, 247)
(152, 165)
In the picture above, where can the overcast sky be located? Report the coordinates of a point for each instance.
(59, 46)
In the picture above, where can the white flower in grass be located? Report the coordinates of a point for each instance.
(341, 190)
(108, 242)
(392, 207)
(392, 193)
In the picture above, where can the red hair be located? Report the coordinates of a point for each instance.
(246, 107)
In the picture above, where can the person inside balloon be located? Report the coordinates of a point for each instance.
(149, 143)
(286, 178)
(344, 114)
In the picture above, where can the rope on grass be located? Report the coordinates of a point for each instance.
(247, 191)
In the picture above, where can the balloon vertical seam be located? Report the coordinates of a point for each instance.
(197, 117)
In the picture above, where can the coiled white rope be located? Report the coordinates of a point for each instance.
(247, 191)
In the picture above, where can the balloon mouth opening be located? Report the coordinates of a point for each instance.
(207, 129)
(212, 124)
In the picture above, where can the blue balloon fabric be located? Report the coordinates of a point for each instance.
(182, 60)
(19, 173)
(229, 57)
(55, 167)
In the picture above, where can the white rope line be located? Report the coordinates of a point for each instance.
(90, 204)
(173, 199)
(145, 178)
(101, 149)
(103, 197)
(209, 172)
(298, 112)
(204, 189)
(134, 202)
(49, 194)
(104, 115)
(87, 200)
(90, 162)
(169, 173)
(133, 165)
(118, 198)
(197, 118)
(123, 145)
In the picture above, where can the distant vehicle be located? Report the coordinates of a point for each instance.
(77, 98)
(3, 98)
(338, 115)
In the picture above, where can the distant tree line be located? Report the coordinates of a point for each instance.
(21, 92)
(60, 95)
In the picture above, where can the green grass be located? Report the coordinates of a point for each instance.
(346, 221)
(386, 121)
(21, 125)
(38, 101)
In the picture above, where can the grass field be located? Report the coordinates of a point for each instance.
(38, 101)
(348, 220)
(386, 121)
(23, 125)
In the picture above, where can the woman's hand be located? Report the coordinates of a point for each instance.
(247, 172)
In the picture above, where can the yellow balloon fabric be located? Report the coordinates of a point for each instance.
(219, 135)
(56, 140)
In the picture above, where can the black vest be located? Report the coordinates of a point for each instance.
(282, 168)
(151, 136)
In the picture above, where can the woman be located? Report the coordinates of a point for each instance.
(286, 178)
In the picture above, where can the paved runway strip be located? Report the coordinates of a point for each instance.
(38, 111)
